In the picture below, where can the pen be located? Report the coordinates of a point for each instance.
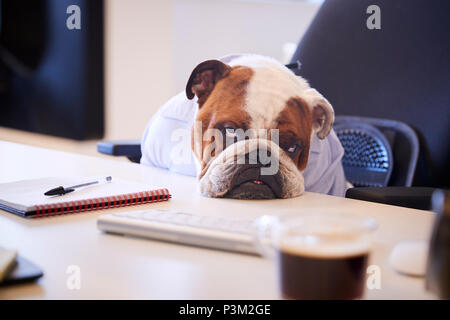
(61, 190)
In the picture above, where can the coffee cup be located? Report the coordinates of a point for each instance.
(318, 256)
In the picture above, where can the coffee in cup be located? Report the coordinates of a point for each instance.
(322, 272)
(318, 256)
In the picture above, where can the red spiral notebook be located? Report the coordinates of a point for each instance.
(26, 198)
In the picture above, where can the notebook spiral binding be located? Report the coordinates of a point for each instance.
(129, 199)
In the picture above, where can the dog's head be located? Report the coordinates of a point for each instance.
(254, 127)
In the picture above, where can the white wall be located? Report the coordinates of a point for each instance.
(204, 29)
(153, 45)
(138, 69)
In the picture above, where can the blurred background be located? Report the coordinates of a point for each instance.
(106, 80)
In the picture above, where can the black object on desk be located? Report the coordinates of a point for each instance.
(129, 148)
(23, 271)
(438, 265)
(410, 197)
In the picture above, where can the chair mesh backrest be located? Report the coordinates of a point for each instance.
(367, 160)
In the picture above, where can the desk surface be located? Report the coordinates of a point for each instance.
(119, 267)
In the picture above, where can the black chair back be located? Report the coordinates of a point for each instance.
(400, 72)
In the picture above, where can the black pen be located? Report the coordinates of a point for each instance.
(58, 191)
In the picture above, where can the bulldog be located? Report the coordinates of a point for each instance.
(248, 128)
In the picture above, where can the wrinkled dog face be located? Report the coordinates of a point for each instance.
(254, 127)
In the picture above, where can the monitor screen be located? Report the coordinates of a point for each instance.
(51, 76)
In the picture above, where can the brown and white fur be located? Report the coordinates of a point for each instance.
(255, 92)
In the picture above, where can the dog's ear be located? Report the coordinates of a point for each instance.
(204, 77)
(322, 113)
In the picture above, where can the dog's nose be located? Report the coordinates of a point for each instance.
(249, 183)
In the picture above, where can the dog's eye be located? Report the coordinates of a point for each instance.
(230, 132)
(292, 150)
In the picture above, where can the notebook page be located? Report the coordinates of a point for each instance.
(24, 195)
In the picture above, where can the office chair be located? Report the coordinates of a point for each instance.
(378, 152)
(399, 72)
(122, 148)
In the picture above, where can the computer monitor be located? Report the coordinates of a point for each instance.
(51, 76)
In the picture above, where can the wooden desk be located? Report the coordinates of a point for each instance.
(124, 267)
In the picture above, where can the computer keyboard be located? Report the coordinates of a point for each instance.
(184, 228)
